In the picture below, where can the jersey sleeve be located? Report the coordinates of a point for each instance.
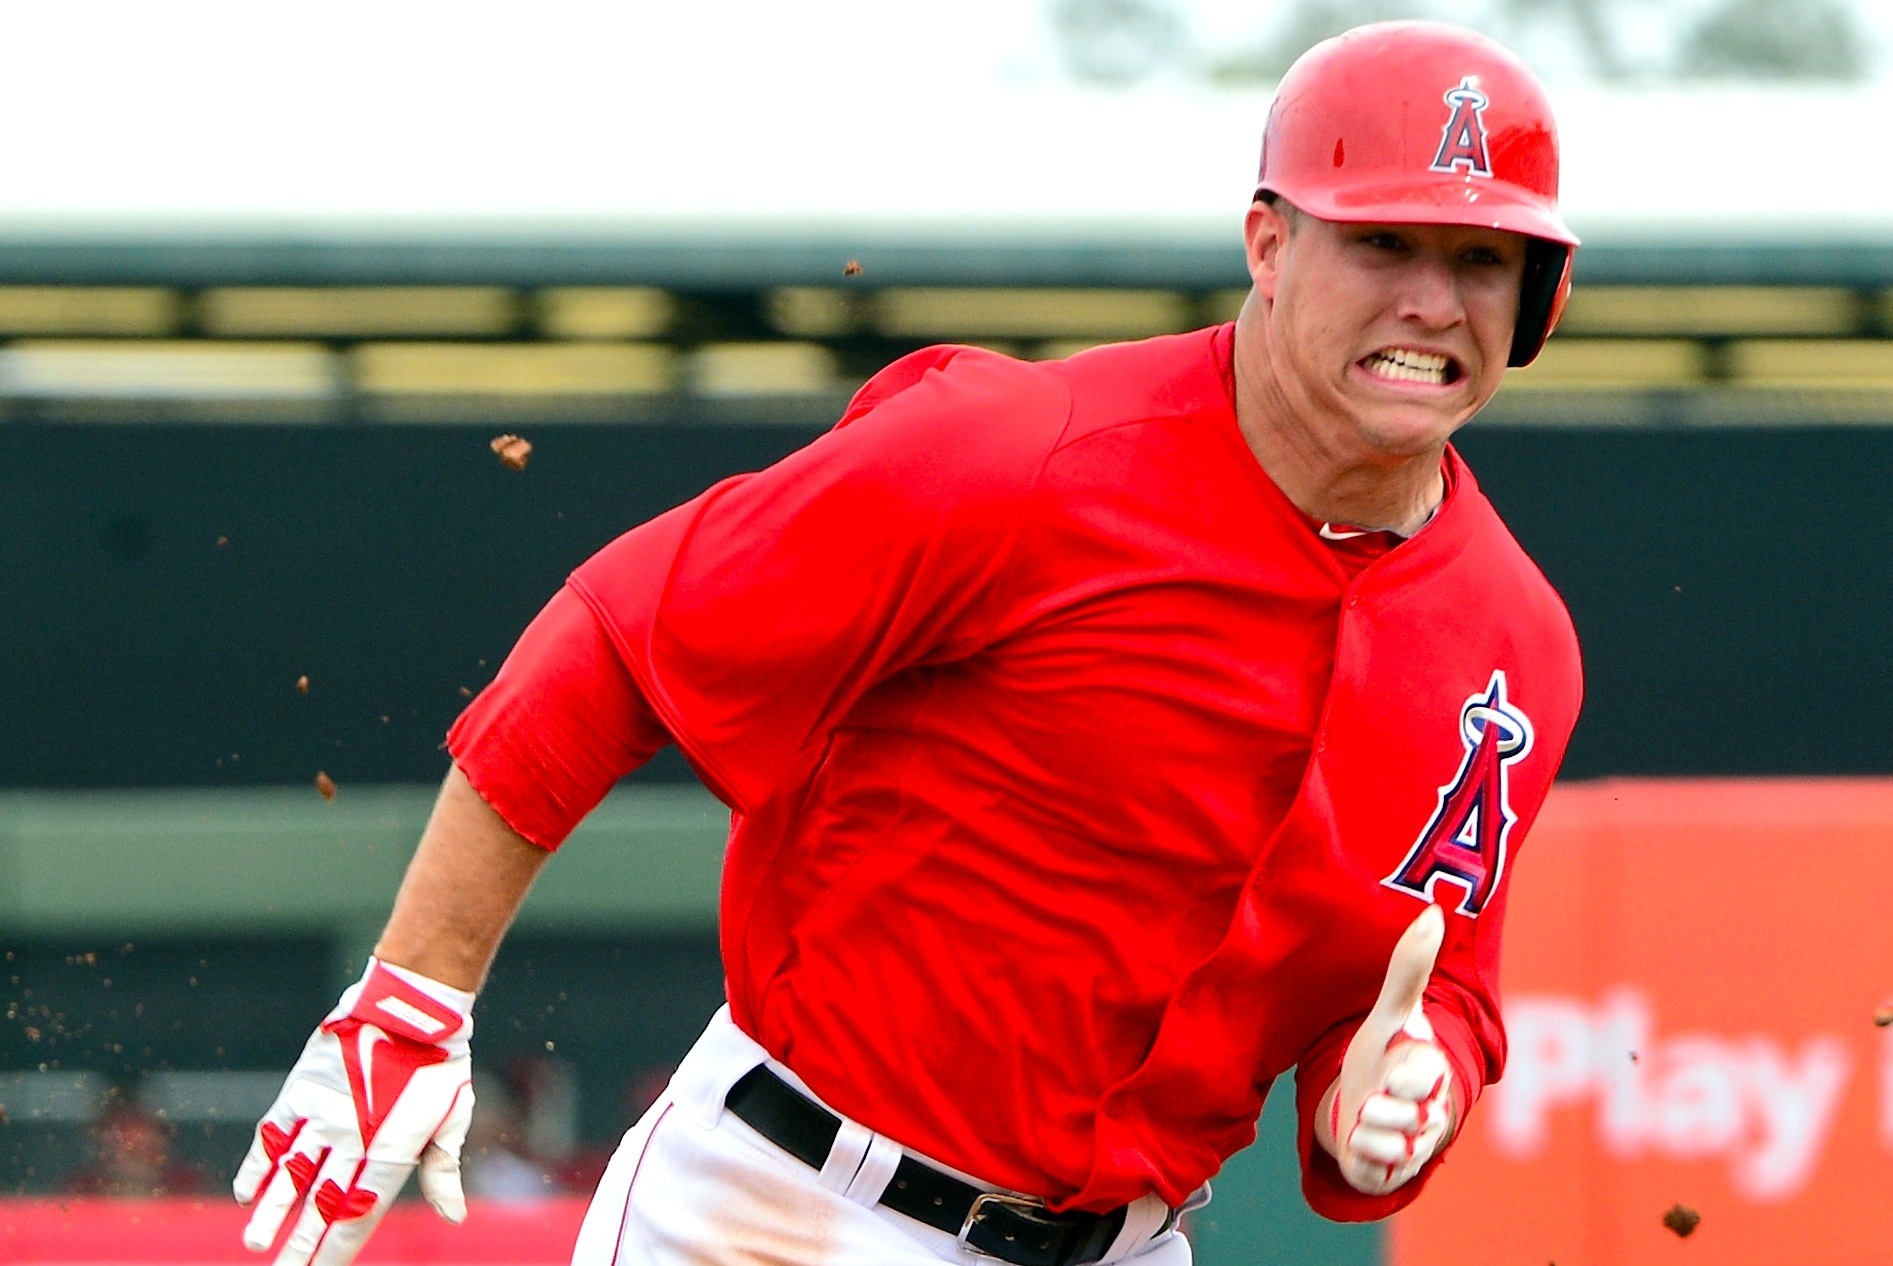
(754, 616)
(559, 724)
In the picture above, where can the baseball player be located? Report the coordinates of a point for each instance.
(1103, 738)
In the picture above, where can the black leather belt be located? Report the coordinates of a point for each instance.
(1010, 1228)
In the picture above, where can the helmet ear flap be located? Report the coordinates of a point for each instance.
(1542, 290)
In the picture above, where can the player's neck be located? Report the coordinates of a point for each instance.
(1329, 480)
(1400, 499)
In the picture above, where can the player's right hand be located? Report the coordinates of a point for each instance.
(1390, 1111)
(384, 1084)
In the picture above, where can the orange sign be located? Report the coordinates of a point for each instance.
(1691, 974)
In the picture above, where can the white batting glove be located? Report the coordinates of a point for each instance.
(384, 1084)
(1390, 1110)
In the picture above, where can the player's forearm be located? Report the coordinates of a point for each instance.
(462, 888)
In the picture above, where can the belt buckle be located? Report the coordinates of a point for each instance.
(1023, 1205)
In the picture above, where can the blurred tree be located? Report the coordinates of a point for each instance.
(1116, 43)
(1593, 29)
(1305, 25)
(1123, 42)
(1778, 39)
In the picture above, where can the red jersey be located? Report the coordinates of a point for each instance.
(1081, 789)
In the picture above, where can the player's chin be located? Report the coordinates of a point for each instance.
(1411, 430)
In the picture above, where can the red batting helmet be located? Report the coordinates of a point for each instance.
(1425, 123)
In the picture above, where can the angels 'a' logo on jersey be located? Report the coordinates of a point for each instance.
(1464, 842)
(1462, 144)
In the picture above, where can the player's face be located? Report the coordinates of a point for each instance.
(1384, 337)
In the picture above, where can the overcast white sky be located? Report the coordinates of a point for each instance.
(627, 116)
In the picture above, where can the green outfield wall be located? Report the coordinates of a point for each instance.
(166, 584)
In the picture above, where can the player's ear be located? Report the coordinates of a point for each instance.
(1265, 232)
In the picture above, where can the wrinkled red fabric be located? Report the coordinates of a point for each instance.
(1067, 761)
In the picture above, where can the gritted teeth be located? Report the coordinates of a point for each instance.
(1404, 364)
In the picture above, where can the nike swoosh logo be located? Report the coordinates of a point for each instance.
(1330, 533)
(366, 1038)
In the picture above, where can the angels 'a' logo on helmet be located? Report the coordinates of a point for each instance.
(1464, 841)
(1462, 144)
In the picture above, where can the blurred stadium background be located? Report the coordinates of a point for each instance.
(255, 531)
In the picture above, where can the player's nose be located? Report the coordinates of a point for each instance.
(1429, 291)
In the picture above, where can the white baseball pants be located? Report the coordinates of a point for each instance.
(692, 1185)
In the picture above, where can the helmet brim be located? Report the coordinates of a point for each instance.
(1487, 204)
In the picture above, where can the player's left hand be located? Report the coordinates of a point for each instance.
(383, 1085)
(1391, 1108)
